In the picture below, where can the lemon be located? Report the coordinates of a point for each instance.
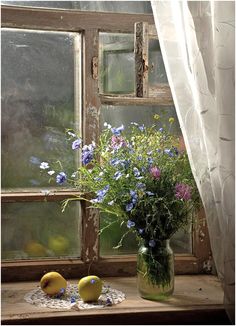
(90, 288)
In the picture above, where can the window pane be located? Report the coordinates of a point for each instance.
(38, 103)
(156, 72)
(33, 230)
(117, 115)
(116, 63)
(109, 6)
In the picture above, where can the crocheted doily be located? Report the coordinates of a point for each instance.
(71, 299)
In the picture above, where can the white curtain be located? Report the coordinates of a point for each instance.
(197, 44)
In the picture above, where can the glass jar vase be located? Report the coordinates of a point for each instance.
(155, 271)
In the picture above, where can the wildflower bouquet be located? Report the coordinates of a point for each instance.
(140, 175)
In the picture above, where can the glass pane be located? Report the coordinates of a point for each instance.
(156, 72)
(116, 63)
(106, 6)
(117, 115)
(38, 103)
(33, 230)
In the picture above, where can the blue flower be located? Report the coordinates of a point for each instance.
(117, 175)
(61, 178)
(169, 152)
(140, 231)
(129, 207)
(139, 157)
(87, 153)
(134, 196)
(142, 128)
(140, 185)
(130, 224)
(102, 192)
(161, 130)
(34, 160)
(117, 131)
(150, 160)
(76, 144)
(152, 243)
(149, 193)
(137, 173)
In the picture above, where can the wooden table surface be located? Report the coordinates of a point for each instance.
(196, 300)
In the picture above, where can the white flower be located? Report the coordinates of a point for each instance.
(71, 134)
(51, 172)
(44, 165)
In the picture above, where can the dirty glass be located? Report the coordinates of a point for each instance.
(117, 115)
(116, 63)
(42, 231)
(105, 6)
(156, 71)
(39, 103)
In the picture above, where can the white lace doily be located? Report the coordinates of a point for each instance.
(71, 299)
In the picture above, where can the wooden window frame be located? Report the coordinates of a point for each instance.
(90, 24)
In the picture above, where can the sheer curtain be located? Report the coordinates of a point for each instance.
(197, 43)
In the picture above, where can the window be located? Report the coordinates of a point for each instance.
(57, 68)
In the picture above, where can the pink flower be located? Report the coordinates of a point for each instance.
(155, 172)
(117, 142)
(182, 191)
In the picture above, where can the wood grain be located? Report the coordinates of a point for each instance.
(196, 300)
(70, 20)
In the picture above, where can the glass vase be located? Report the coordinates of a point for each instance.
(155, 271)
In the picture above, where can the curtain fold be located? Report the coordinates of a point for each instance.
(197, 40)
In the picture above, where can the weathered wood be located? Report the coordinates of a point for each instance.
(141, 59)
(47, 195)
(70, 20)
(196, 300)
(157, 96)
(201, 243)
(90, 118)
(28, 270)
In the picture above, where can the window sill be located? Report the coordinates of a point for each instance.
(197, 299)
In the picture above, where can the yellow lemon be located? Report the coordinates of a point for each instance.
(53, 283)
(90, 288)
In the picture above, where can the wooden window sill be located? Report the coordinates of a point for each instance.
(197, 299)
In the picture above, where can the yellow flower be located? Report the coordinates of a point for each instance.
(156, 116)
(171, 120)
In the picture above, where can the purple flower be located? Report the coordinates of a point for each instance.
(152, 243)
(130, 224)
(140, 231)
(161, 130)
(129, 207)
(155, 172)
(183, 191)
(61, 178)
(117, 131)
(76, 144)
